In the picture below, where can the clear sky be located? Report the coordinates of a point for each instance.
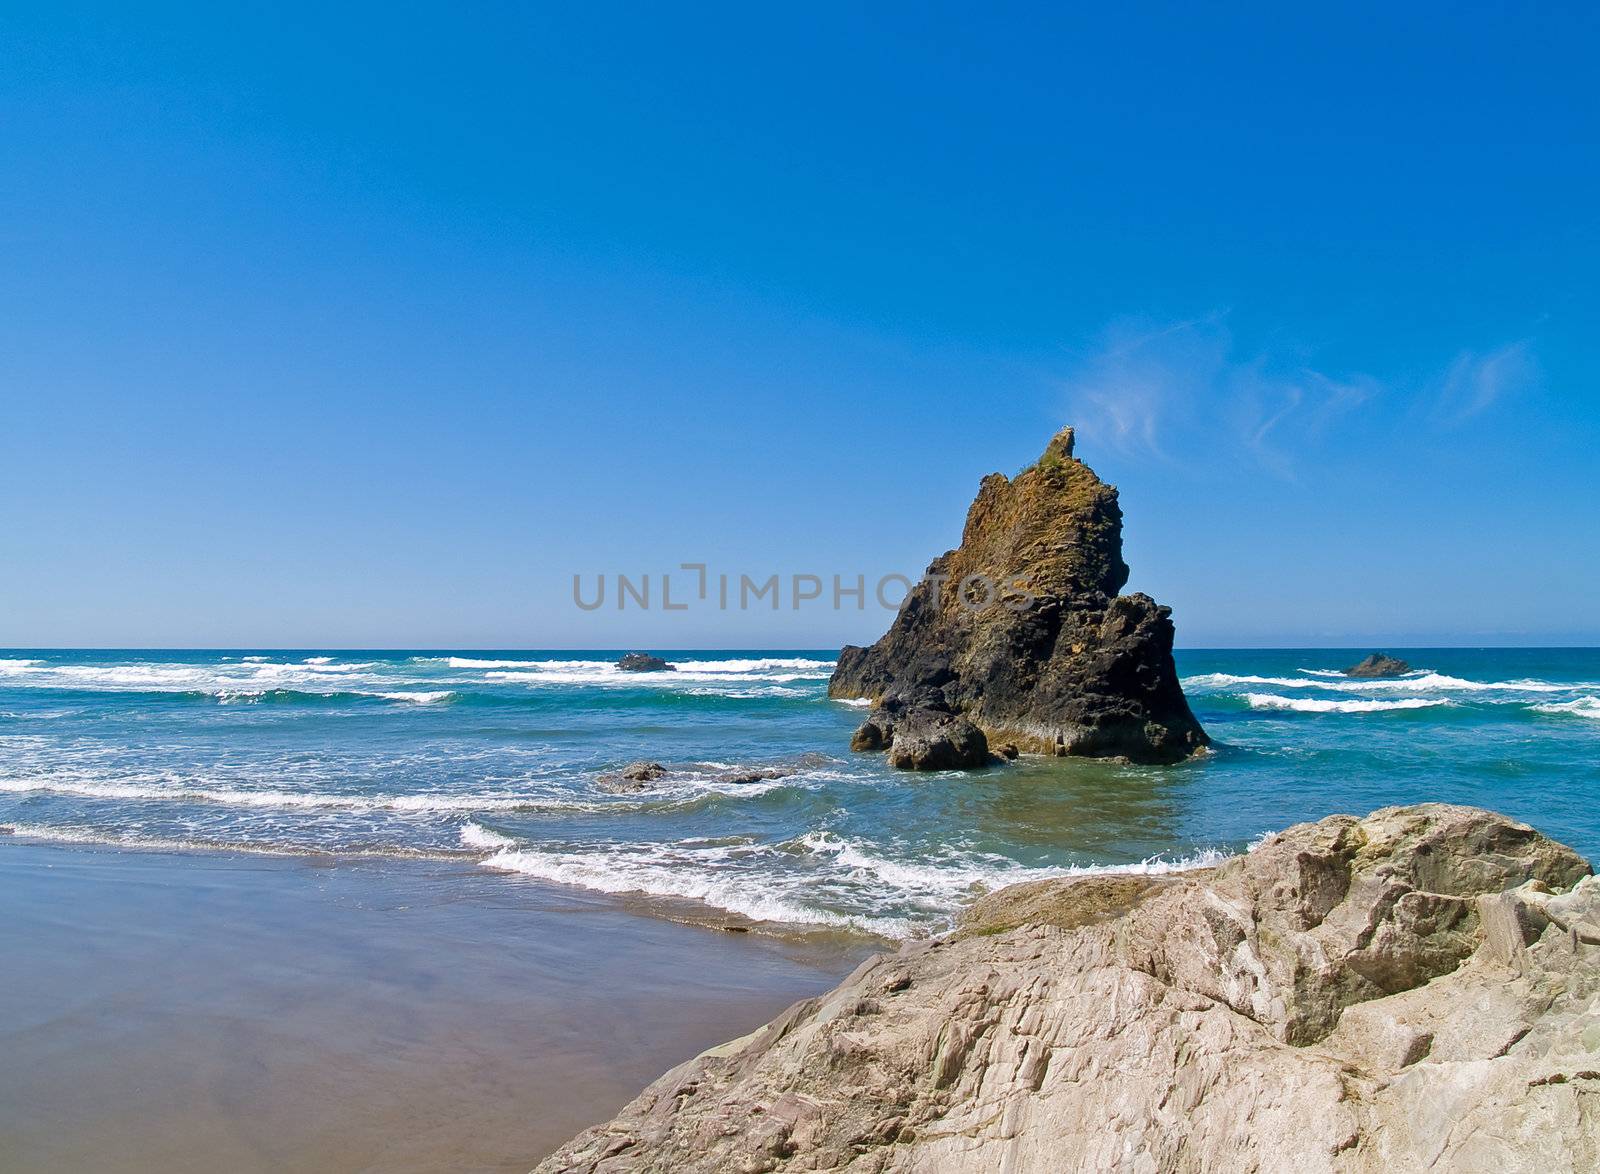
(371, 325)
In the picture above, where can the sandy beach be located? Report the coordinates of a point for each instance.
(247, 1013)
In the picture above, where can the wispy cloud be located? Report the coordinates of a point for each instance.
(1474, 383)
(1168, 390)
(1148, 386)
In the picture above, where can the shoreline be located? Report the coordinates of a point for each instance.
(204, 1010)
(679, 910)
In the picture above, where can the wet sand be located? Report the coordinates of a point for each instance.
(199, 1012)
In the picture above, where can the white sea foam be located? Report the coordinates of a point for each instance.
(603, 672)
(1426, 682)
(1325, 705)
(792, 882)
(74, 835)
(764, 665)
(420, 802)
(750, 684)
(855, 701)
(429, 697)
(249, 677)
(1588, 707)
(475, 835)
(120, 839)
(961, 874)
(219, 680)
(688, 873)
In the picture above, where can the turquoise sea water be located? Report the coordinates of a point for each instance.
(493, 758)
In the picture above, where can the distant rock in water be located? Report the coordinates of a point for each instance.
(1020, 635)
(1379, 664)
(643, 662)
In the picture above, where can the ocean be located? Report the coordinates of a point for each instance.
(495, 760)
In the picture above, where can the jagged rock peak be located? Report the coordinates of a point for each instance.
(1060, 445)
(1021, 630)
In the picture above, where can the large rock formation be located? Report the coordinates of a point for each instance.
(643, 662)
(1021, 633)
(1416, 990)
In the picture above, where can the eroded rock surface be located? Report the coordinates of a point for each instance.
(1416, 990)
(1021, 632)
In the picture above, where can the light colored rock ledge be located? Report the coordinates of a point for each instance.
(1416, 990)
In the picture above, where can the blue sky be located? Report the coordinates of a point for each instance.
(373, 325)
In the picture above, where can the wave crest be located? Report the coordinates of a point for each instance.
(1588, 707)
(1326, 705)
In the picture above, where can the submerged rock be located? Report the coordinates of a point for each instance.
(1419, 989)
(636, 776)
(643, 662)
(1021, 631)
(1379, 664)
(755, 774)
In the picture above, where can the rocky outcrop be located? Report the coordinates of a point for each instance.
(643, 662)
(636, 776)
(641, 776)
(755, 774)
(1416, 990)
(922, 736)
(1021, 632)
(1379, 664)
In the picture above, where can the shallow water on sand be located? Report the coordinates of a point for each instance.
(213, 1012)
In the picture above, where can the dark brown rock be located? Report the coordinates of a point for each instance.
(1379, 664)
(754, 775)
(934, 739)
(643, 662)
(1057, 661)
(872, 734)
(636, 776)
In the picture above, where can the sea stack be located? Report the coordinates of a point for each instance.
(1379, 665)
(643, 662)
(1020, 635)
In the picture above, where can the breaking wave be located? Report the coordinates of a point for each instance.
(1325, 705)
(421, 802)
(1424, 682)
(792, 882)
(475, 835)
(1580, 707)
